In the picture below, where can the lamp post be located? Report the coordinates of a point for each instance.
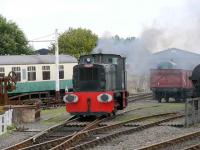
(57, 66)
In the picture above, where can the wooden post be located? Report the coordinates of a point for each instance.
(198, 114)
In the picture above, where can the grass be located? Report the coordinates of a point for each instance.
(54, 116)
(127, 117)
(166, 107)
(160, 106)
(10, 129)
(150, 110)
(139, 105)
(53, 111)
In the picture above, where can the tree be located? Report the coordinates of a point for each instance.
(76, 42)
(12, 39)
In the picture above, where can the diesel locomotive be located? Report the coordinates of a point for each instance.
(99, 86)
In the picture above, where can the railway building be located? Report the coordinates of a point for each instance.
(181, 58)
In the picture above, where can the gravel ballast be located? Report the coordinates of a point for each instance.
(151, 135)
(145, 138)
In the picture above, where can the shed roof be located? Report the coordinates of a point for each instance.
(177, 52)
(182, 58)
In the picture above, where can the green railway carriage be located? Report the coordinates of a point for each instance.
(36, 73)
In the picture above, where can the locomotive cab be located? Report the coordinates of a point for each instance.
(99, 83)
(94, 77)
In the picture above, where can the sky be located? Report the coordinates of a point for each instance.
(126, 18)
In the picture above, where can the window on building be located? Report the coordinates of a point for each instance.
(31, 73)
(46, 72)
(2, 71)
(61, 72)
(24, 74)
(17, 70)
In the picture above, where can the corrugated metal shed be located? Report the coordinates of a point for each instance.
(183, 59)
(34, 59)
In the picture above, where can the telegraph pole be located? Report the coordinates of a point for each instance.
(57, 66)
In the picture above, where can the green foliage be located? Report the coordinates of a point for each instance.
(12, 127)
(12, 41)
(76, 42)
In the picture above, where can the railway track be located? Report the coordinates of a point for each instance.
(102, 135)
(193, 147)
(175, 141)
(140, 96)
(40, 135)
(56, 134)
(66, 130)
(94, 133)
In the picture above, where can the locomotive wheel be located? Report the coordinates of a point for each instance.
(184, 100)
(159, 99)
(177, 99)
(114, 111)
(167, 99)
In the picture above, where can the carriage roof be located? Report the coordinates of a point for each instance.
(34, 59)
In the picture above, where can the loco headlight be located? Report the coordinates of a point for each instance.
(70, 98)
(104, 98)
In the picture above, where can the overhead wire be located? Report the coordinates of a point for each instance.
(42, 37)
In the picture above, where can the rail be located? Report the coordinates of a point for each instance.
(140, 96)
(29, 96)
(172, 142)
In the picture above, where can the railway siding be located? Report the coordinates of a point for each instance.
(98, 138)
(134, 111)
(174, 141)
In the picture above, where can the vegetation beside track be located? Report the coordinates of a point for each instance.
(150, 108)
(160, 106)
(53, 111)
(53, 116)
(170, 107)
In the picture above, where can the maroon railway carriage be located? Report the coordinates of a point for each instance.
(99, 85)
(174, 83)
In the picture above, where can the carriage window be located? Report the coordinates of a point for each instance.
(61, 72)
(31, 73)
(24, 74)
(112, 61)
(17, 70)
(46, 72)
(2, 72)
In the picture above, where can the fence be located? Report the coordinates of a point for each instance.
(5, 120)
(192, 111)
